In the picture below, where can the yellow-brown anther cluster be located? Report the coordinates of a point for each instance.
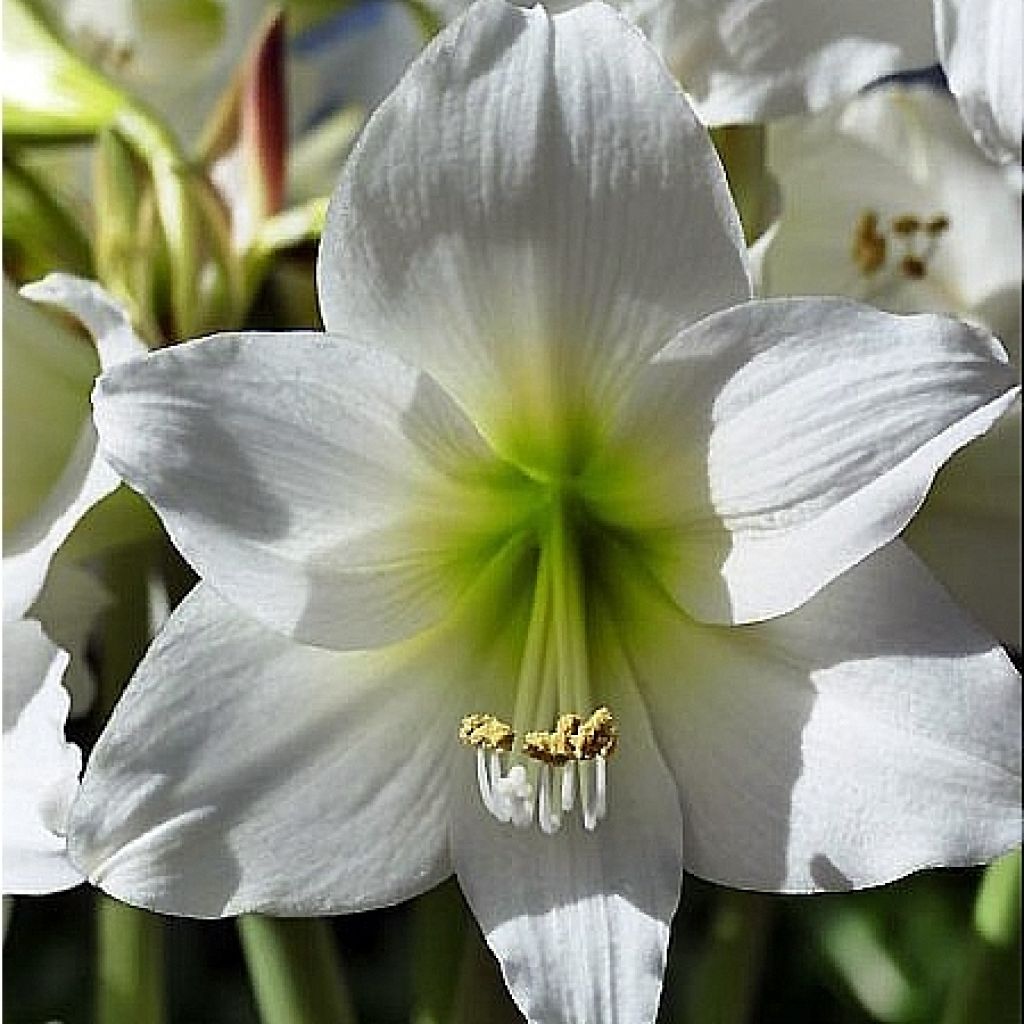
(572, 739)
(871, 244)
(486, 731)
(598, 736)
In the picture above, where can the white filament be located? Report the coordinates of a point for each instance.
(568, 786)
(512, 798)
(548, 815)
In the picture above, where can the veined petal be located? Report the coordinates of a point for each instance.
(86, 478)
(979, 45)
(532, 213)
(40, 769)
(244, 772)
(872, 732)
(580, 920)
(312, 480)
(806, 435)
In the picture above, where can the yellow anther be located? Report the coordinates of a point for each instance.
(598, 736)
(573, 739)
(937, 225)
(486, 731)
(906, 224)
(868, 244)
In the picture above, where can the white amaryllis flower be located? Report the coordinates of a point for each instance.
(53, 475)
(531, 488)
(752, 60)
(887, 199)
(980, 48)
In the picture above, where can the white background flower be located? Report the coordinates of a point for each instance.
(979, 45)
(528, 471)
(894, 152)
(53, 475)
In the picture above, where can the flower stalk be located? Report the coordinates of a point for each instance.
(439, 943)
(979, 992)
(294, 970)
(42, 234)
(130, 942)
(725, 985)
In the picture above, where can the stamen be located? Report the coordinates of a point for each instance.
(869, 246)
(568, 786)
(906, 224)
(913, 267)
(573, 755)
(486, 731)
(548, 816)
(588, 801)
(483, 780)
(916, 240)
(499, 805)
(601, 773)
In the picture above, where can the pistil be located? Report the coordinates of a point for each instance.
(529, 770)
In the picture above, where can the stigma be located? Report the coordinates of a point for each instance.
(542, 776)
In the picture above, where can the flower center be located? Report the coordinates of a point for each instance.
(913, 238)
(528, 771)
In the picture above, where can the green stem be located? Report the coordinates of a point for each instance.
(727, 977)
(987, 987)
(40, 226)
(439, 939)
(130, 951)
(130, 980)
(294, 970)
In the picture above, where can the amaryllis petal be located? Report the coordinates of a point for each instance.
(242, 771)
(529, 215)
(870, 733)
(807, 435)
(310, 479)
(580, 920)
(40, 769)
(979, 46)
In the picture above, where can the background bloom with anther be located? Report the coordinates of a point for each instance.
(549, 479)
